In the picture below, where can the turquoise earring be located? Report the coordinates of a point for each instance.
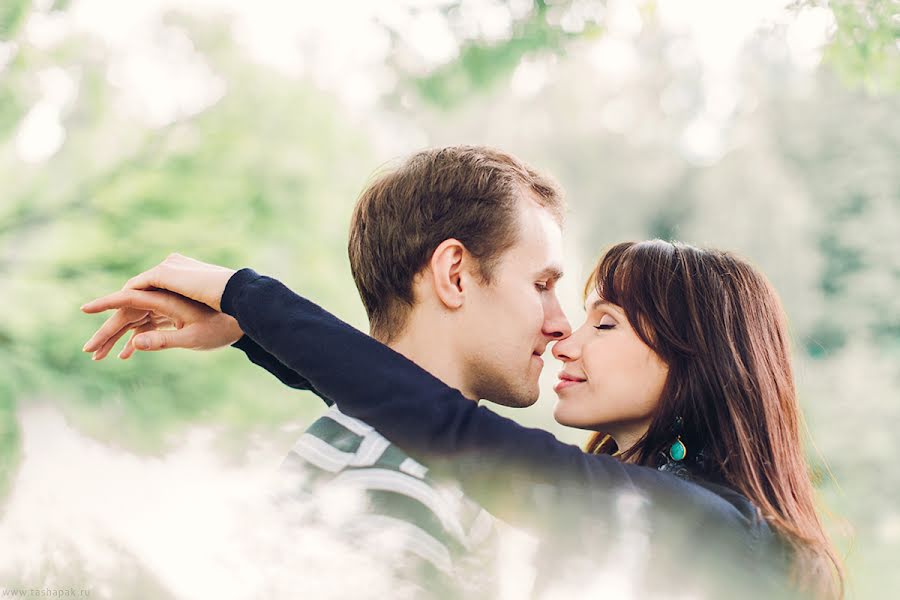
(677, 451)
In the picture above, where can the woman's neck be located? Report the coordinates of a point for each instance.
(626, 438)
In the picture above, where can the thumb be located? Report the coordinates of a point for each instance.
(161, 340)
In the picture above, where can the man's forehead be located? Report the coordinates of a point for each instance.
(538, 251)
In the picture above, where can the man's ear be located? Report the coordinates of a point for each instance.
(449, 272)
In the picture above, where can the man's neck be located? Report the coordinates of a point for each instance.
(436, 357)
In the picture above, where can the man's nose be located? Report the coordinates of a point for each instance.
(556, 325)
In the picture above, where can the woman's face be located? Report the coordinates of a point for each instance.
(611, 380)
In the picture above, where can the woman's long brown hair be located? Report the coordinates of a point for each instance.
(719, 326)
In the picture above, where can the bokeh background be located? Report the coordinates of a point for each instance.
(241, 133)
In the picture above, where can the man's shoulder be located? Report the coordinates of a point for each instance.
(339, 456)
(338, 449)
(336, 442)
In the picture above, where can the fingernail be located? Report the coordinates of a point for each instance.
(142, 343)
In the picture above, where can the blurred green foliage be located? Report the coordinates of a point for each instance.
(483, 65)
(12, 14)
(266, 177)
(865, 49)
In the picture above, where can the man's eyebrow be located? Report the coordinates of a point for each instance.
(550, 273)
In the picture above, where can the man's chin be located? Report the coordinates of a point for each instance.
(505, 390)
(515, 400)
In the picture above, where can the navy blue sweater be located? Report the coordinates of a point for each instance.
(523, 475)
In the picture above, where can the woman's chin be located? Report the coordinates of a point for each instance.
(563, 416)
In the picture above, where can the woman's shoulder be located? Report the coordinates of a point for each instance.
(727, 512)
(702, 501)
(732, 501)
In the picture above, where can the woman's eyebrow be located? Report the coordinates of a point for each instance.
(600, 304)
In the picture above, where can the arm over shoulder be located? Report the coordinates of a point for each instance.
(520, 474)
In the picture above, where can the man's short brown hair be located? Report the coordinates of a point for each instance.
(469, 193)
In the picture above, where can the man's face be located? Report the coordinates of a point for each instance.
(508, 323)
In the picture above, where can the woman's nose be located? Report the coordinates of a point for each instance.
(566, 349)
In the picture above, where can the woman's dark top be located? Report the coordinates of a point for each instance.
(522, 475)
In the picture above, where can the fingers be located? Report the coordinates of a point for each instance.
(162, 340)
(160, 301)
(129, 348)
(115, 327)
(108, 345)
(124, 299)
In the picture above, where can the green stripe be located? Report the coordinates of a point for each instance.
(391, 459)
(333, 433)
(403, 507)
(434, 582)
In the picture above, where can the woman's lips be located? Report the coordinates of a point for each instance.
(566, 383)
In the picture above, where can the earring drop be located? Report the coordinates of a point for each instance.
(677, 451)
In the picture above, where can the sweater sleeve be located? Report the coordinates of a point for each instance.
(517, 473)
(289, 377)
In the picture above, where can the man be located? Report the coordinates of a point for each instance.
(455, 254)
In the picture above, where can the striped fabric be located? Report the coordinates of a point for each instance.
(448, 543)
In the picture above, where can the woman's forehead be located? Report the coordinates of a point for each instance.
(595, 301)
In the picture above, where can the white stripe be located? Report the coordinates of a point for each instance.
(414, 538)
(413, 468)
(481, 529)
(401, 483)
(373, 444)
(321, 453)
(355, 425)
(370, 450)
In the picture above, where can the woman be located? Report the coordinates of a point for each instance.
(708, 333)
(681, 370)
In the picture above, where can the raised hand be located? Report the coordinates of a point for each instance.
(200, 281)
(160, 320)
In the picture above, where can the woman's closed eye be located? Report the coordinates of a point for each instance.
(606, 323)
